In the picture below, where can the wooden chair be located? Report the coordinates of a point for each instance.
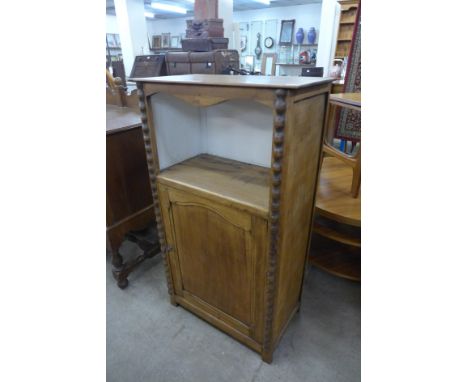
(338, 201)
(350, 101)
(116, 93)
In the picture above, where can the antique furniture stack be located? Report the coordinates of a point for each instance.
(234, 163)
(338, 207)
(205, 32)
(129, 204)
(205, 47)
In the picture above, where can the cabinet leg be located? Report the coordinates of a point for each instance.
(267, 357)
(122, 283)
(117, 260)
(173, 301)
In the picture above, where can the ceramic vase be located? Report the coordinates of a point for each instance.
(300, 36)
(311, 35)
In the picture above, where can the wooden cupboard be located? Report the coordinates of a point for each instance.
(348, 14)
(233, 163)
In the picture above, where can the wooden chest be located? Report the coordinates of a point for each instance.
(214, 62)
(204, 44)
(233, 163)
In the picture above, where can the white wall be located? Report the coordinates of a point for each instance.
(330, 19)
(175, 26)
(306, 16)
(111, 24)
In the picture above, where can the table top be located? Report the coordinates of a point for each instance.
(346, 99)
(121, 118)
(334, 198)
(275, 82)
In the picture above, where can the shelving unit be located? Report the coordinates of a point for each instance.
(348, 15)
(114, 56)
(113, 48)
(233, 163)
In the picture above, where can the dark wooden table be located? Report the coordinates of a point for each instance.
(129, 203)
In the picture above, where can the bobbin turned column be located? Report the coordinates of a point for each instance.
(277, 158)
(153, 169)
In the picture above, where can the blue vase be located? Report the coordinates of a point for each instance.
(300, 36)
(311, 35)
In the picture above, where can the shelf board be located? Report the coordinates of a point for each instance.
(305, 44)
(223, 180)
(278, 63)
(344, 40)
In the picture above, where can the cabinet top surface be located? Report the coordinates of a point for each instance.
(275, 82)
(121, 118)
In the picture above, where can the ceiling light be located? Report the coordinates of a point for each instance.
(169, 8)
(149, 15)
(266, 2)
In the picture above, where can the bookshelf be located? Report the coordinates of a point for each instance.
(348, 13)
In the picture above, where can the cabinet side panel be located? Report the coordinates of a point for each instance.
(302, 149)
(177, 125)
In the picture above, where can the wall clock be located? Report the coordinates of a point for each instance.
(269, 42)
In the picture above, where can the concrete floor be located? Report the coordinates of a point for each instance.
(149, 340)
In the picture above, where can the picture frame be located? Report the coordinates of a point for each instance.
(287, 32)
(166, 40)
(156, 43)
(249, 61)
(175, 41)
(269, 64)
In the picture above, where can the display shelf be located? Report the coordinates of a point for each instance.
(245, 185)
(335, 258)
(286, 64)
(305, 44)
(348, 15)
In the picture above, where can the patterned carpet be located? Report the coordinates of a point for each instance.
(349, 123)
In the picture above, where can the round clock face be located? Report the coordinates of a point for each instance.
(269, 42)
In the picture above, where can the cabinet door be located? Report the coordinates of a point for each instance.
(217, 259)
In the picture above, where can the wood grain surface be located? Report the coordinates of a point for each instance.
(121, 118)
(333, 197)
(272, 82)
(350, 100)
(243, 185)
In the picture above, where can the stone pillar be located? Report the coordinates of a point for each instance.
(132, 30)
(205, 9)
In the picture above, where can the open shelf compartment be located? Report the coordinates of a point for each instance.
(244, 185)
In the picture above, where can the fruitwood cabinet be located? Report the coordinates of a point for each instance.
(233, 163)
